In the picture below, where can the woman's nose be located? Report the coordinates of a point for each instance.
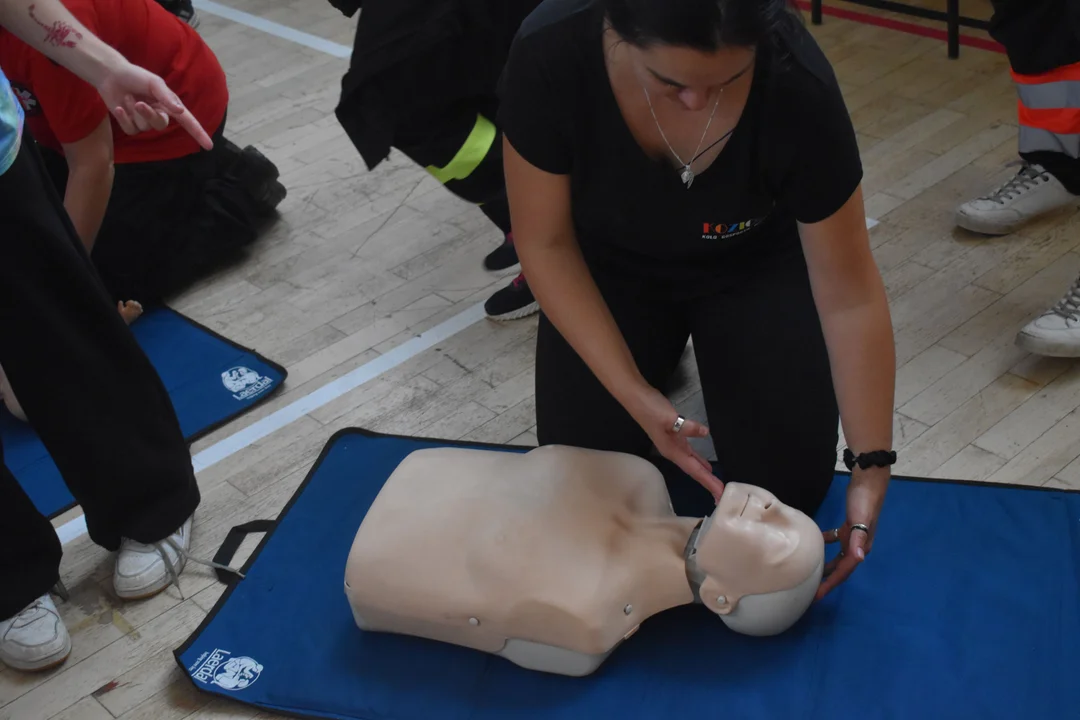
(693, 99)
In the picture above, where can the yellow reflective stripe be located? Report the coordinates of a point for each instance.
(471, 154)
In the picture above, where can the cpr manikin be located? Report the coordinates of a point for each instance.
(552, 558)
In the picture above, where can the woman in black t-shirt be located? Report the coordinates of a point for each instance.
(687, 169)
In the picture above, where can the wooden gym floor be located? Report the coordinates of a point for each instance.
(361, 262)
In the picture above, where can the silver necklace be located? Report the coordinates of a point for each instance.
(687, 174)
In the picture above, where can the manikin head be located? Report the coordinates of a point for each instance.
(757, 561)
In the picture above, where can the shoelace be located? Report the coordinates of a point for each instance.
(24, 614)
(38, 604)
(160, 547)
(1069, 306)
(1028, 177)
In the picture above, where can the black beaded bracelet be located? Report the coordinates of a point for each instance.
(878, 458)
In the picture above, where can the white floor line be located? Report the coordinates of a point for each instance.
(272, 28)
(313, 400)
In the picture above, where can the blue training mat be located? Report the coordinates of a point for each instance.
(211, 381)
(967, 607)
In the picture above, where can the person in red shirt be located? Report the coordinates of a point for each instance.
(155, 211)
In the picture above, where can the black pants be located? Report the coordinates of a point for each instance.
(171, 222)
(436, 143)
(1040, 36)
(86, 386)
(764, 371)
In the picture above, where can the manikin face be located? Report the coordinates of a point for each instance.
(754, 544)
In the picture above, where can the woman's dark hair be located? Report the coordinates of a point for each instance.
(705, 25)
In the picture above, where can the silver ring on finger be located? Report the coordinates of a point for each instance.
(836, 534)
(860, 526)
(679, 422)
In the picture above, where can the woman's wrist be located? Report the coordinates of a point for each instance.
(634, 394)
(98, 62)
(871, 475)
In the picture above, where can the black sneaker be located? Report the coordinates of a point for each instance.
(504, 256)
(513, 302)
(183, 10)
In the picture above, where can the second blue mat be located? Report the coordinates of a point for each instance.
(211, 381)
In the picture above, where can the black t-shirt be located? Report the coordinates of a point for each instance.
(792, 157)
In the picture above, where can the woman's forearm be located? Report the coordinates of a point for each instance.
(863, 359)
(48, 26)
(561, 282)
(86, 199)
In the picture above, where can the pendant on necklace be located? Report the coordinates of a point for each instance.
(687, 176)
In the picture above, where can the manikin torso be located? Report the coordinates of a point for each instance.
(552, 558)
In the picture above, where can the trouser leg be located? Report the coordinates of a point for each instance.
(29, 548)
(768, 387)
(1042, 40)
(462, 147)
(86, 386)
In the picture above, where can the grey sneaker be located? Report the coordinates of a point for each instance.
(1030, 193)
(1055, 333)
(36, 639)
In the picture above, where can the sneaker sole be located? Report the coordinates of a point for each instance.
(53, 661)
(1048, 348)
(975, 225)
(143, 594)
(526, 311)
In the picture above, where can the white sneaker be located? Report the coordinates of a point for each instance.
(1030, 193)
(36, 639)
(1057, 331)
(145, 570)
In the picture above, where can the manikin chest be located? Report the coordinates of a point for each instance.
(478, 548)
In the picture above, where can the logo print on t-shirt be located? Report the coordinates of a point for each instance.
(723, 231)
(30, 104)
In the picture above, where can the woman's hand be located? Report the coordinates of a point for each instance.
(865, 496)
(657, 416)
(141, 101)
(137, 98)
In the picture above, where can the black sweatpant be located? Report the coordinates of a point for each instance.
(764, 371)
(90, 392)
(170, 222)
(1041, 36)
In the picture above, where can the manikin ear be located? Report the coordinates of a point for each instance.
(721, 604)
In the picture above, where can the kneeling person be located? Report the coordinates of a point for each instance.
(155, 211)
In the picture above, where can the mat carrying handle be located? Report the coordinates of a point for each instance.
(232, 542)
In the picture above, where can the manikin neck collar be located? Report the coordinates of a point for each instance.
(694, 576)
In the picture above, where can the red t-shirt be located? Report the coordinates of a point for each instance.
(61, 108)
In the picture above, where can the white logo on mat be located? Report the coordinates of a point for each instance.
(244, 383)
(222, 669)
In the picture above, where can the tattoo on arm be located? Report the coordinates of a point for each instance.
(59, 33)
